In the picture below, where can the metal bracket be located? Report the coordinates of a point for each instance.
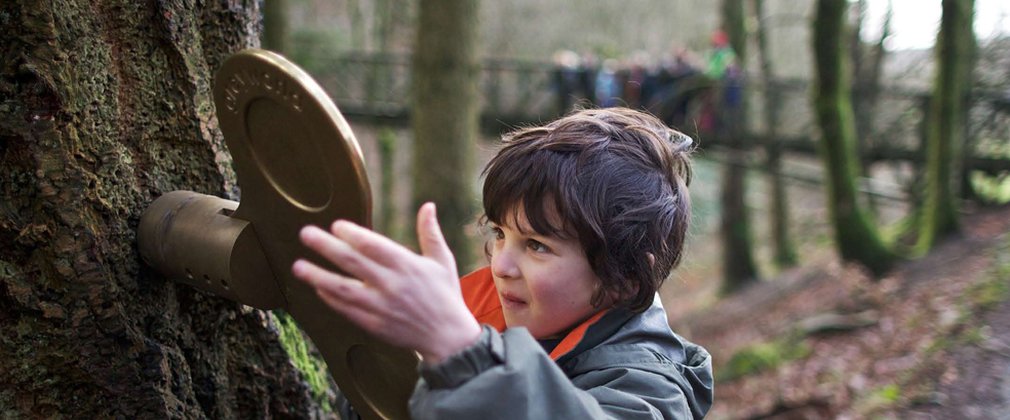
(298, 163)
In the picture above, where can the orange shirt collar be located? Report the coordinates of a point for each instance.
(481, 298)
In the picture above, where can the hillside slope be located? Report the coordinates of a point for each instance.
(931, 339)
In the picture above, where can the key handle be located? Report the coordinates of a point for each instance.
(298, 163)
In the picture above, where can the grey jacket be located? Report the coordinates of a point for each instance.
(626, 366)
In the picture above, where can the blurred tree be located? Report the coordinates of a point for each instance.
(856, 236)
(104, 107)
(387, 220)
(445, 116)
(388, 14)
(867, 71)
(358, 39)
(784, 250)
(738, 260)
(945, 135)
(276, 36)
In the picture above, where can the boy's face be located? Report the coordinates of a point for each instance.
(544, 283)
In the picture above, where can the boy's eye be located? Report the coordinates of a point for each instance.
(537, 246)
(498, 233)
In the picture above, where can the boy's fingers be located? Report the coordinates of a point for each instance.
(350, 291)
(359, 316)
(431, 239)
(344, 256)
(374, 246)
(330, 282)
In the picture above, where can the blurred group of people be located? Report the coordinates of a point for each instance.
(673, 87)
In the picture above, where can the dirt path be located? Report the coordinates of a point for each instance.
(981, 389)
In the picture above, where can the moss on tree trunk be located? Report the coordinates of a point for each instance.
(103, 107)
(856, 236)
(945, 134)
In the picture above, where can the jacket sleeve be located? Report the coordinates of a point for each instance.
(509, 376)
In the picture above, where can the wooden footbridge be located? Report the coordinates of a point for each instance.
(374, 89)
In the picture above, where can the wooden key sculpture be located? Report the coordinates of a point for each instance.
(298, 164)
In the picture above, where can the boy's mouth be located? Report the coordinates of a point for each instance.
(511, 301)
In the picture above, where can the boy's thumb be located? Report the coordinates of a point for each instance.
(430, 238)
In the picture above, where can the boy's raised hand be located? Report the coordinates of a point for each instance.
(407, 299)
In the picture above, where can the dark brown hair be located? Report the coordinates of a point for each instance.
(617, 178)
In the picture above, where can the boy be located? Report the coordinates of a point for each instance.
(589, 215)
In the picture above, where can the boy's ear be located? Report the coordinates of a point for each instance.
(652, 259)
(614, 297)
(610, 297)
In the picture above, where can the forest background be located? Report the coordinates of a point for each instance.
(764, 361)
(104, 107)
(897, 35)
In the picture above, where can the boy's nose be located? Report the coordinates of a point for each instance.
(503, 264)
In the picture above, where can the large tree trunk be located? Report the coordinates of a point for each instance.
(784, 251)
(856, 236)
(445, 114)
(945, 130)
(739, 269)
(103, 107)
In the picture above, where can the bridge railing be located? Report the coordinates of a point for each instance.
(897, 130)
(375, 87)
(368, 85)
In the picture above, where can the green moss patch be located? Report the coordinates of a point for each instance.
(761, 357)
(313, 367)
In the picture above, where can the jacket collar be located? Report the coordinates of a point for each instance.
(481, 298)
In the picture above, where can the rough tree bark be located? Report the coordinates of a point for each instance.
(739, 268)
(945, 133)
(445, 116)
(856, 236)
(103, 107)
